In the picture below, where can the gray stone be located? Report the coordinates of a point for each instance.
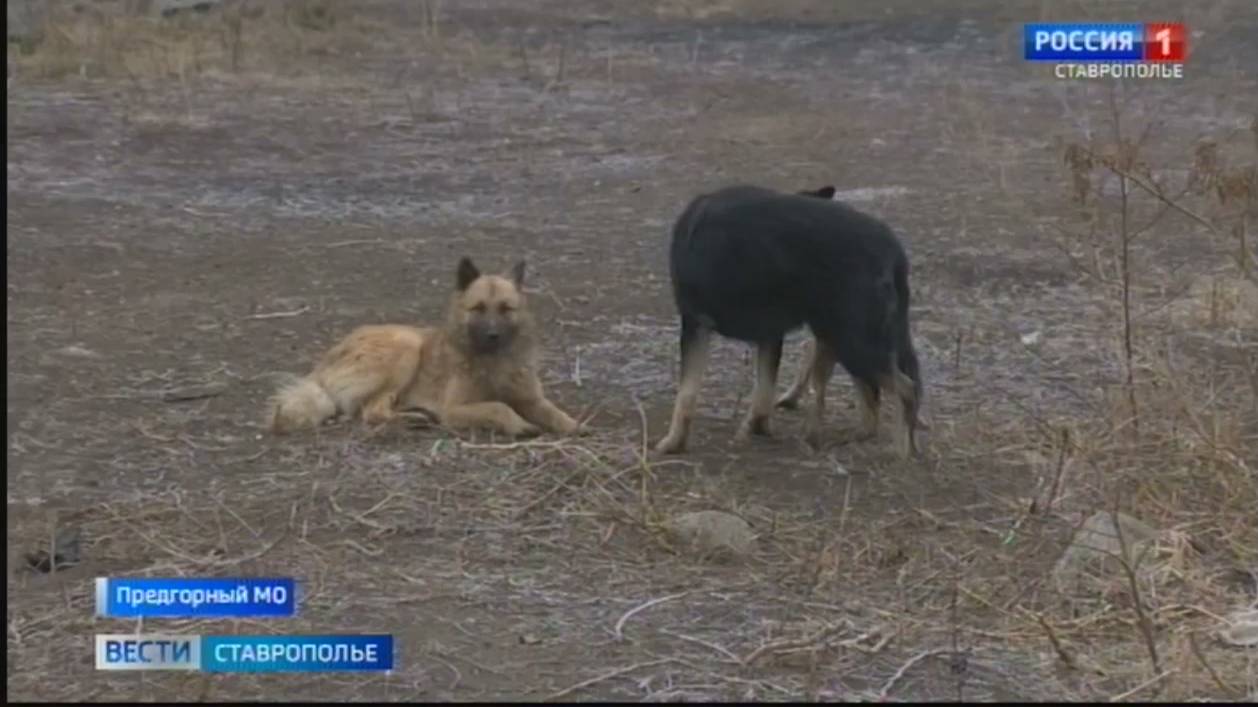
(166, 8)
(713, 534)
(1097, 551)
(1242, 629)
(78, 352)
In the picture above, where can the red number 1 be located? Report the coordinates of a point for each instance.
(1164, 36)
(1165, 41)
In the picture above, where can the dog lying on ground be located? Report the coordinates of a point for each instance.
(477, 370)
(752, 264)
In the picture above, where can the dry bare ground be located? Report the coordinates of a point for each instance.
(200, 202)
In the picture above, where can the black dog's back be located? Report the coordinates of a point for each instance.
(754, 264)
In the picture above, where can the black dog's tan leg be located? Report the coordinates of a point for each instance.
(492, 415)
(822, 368)
(790, 400)
(768, 360)
(870, 401)
(695, 347)
(903, 387)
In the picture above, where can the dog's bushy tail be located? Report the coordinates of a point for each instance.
(300, 403)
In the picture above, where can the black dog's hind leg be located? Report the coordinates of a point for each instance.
(822, 368)
(768, 361)
(907, 389)
(695, 345)
(871, 398)
(790, 400)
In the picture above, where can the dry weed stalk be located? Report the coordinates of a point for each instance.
(1178, 416)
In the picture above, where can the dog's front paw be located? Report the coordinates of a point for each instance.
(672, 444)
(570, 427)
(525, 430)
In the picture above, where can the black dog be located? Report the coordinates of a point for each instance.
(753, 264)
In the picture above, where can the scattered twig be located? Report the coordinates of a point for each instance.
(1147, 683)
(205, 561)
(706, 644)
(899, 674)
(1061, 467)
(189, 394)
(1066, 658)
(279, 315)
(458, 677)
(360, 241)
(1137, 599)
(359, 518)
(479, 666)
(368, 551)
(606, 676)
(508, 446)
(563, 483)
(784, 645)
(1214, 675)
(641, 607)
(242, 460)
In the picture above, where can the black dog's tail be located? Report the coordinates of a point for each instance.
(682, 237)
(906, 355)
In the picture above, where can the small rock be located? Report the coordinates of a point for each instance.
(168, 8)
(78, 352)
(1243, 629)
(713, 534)
(66, 548)
(1244, 580)
(1096, 547)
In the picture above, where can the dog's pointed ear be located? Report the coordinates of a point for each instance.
(517, 274)
(467, 273)
(826, 192)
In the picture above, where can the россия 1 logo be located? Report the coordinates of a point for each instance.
(1154, 50)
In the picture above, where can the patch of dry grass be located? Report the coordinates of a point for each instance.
(837, 605)
(292, 38)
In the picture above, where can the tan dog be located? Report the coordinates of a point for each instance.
(478, 370)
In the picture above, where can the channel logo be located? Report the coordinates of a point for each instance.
(149, 651)
(245, 654)
(1109, 50)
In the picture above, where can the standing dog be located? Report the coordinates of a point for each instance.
(753, 264)
(478, 370)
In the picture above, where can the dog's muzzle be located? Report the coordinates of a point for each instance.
(488, 339)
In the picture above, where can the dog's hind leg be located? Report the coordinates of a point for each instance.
(906, 390)
(696, 341)
(768, 361)
(380, 408)
(822, 369)
(871, 398)
(391, 380)
(790, 400)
